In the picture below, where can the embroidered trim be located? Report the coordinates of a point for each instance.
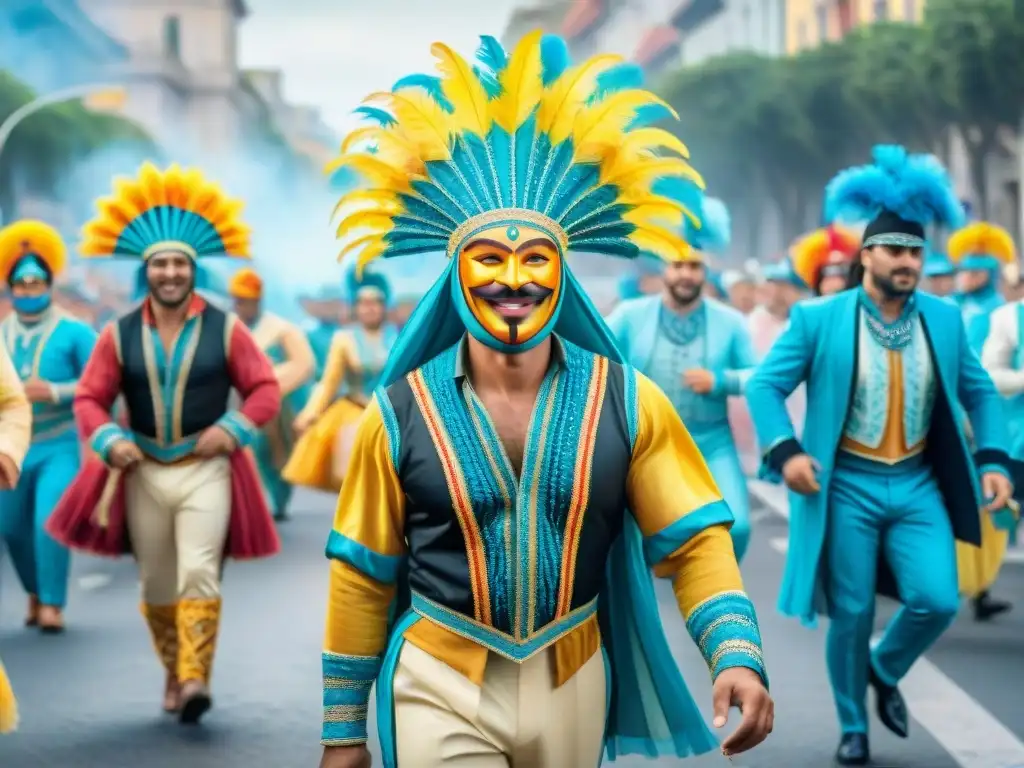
(238, 425)
(104, 437)
(347, 681)
(726, 631)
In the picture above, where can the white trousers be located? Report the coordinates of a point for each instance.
(516, 719)
(178, 517)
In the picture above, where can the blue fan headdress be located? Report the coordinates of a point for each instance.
(368, 283)
(899, 195)
(710, 228)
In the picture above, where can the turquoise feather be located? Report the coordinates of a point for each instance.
(621, 77)
(429, 83)
(380, 116)
(554, 58)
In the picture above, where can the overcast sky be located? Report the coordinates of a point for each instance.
(335, 52)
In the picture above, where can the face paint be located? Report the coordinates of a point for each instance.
(511, 282)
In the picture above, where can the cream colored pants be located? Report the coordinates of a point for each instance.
(516, 719)
(178, 519)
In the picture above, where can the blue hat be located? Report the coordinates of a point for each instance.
(938, 265)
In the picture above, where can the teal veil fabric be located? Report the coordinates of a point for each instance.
(650, 709)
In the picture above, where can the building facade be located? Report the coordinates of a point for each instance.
(758, 26)
(546, 15)
(812, 22)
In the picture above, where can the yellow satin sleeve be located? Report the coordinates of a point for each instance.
(334, 372)
(668, 479)
(367, 540)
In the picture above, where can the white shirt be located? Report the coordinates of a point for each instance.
(999, 355)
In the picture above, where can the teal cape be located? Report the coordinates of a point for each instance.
(650, 709)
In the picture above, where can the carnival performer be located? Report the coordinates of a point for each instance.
(288, 350)
(939, 274)
(174, 488)
(328, 311)
(883, 459)
(508, 439)
(697, 349)
(50, 349)
(15, 438)
(981, 250)
(822, 259)
(327, 424)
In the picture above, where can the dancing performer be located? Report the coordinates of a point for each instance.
(508, 439)
(49, 348)
(327, 424)
(698, 350)
(980, 251)
(288, 350)
(883, 458)
(174, 489)
(15, 438)
(822, 259)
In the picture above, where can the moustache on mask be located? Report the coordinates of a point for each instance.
(531, 292)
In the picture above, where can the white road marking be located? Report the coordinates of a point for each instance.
(773, 497)
(93, 581)
(971, 735)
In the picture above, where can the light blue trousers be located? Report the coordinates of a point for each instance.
(898, 514)
(40, 562)
(724, 463)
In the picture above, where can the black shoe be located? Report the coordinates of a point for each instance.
(853, 749)
(986, 608)
(194, 707)
(890, 706)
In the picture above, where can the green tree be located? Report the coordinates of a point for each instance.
(980, 45)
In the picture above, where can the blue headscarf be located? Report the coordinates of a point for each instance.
(30, 268)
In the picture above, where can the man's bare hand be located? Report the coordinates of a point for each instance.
(8, 473)
(699, 380)
(356, 756)
(800, 474)
(742, 688)
(38, 391)
(302, 422)
(124, 454)
(214, 441)
(997, 487)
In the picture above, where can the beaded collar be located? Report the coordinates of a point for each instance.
(895, 335)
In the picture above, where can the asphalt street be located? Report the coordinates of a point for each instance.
(90, 698)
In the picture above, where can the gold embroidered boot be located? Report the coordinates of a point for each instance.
(163, 629)
(198, 623)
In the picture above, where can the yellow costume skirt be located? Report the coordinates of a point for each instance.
(978, 567)
(315, 460)
(8, 706)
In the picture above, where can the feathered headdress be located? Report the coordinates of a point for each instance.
(174, 209)
(522, 138)
(899, 195)
(981, 245)
(825, 249)
(245, 284)
(365, 281)
(29, 238)
(710, 228)
(937, 264)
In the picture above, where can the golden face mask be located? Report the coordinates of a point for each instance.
(511, 278)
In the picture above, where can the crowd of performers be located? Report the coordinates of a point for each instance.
(511, 467)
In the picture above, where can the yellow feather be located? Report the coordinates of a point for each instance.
(521, 84)
(464, 90)
(376, 221)
(606, 121)
(360, 242)
(655, 213)
(368, 254)
(568, 94)
(424, 124)
(643, 172)
(661, 243)
(381, 200)
(982, 238)
(379, 173)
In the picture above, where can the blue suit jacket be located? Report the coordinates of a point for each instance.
(729, 350)
(818, 346)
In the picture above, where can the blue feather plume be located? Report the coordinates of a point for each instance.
(429, 83)
(715, 231)
(621, 77)
(369, 279)
(554, 57)
(491, 54)
(914, 187)
(378, 115)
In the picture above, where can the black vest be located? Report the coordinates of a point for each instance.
(200, 354)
